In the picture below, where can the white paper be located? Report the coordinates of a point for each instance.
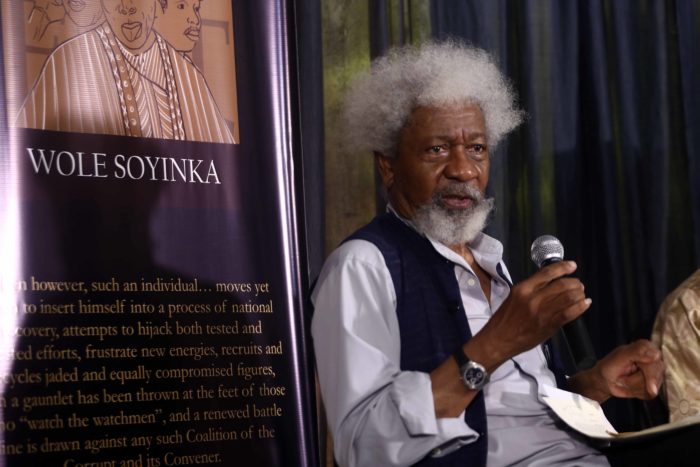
(580, 413)
(586, 416)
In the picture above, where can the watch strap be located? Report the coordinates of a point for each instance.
(460, 357)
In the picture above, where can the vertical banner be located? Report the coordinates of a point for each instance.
(150, 291)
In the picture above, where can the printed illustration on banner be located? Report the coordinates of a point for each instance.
(142, 68)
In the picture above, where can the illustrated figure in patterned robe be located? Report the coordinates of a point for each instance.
(123, 78)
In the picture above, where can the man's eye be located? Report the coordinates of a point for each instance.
(436, 150)
(478, 149)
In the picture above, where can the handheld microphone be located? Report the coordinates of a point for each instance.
(545, 250)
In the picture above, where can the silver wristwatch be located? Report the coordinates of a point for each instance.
(473, 374)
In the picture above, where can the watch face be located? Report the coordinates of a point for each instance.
(475, 377)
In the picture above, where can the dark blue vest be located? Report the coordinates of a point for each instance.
(431, 318)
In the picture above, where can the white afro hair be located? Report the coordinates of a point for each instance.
(379, 103)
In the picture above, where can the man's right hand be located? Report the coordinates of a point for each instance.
(535, 309)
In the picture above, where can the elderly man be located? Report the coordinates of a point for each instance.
(426, 353)
(122, 78)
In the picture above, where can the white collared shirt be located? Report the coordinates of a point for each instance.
(381, 415)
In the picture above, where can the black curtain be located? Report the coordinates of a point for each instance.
(609, 159)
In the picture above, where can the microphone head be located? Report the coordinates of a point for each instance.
(546, 249)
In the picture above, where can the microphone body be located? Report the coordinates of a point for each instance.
(546, 250)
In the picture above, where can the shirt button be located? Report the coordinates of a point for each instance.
(471, 282)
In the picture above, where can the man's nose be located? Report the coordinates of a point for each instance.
(460, 166)
(127, 7)
(194, 19)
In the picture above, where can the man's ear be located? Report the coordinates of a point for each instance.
(385, 165)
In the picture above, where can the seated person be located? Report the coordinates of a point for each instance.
(677, 332)
(426, 352)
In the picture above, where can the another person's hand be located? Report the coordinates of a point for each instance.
(632, 370)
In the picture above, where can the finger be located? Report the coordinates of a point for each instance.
(575, 310)
(643, 350)
(547, 274)
(637, 385)
(567, 286)
(653, 375)
(644, 383)
(552, 272)
(545, 277)
(632, 385)
(561, 294)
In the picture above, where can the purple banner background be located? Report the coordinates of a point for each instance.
(132, 229)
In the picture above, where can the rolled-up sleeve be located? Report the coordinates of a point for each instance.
(378, 414)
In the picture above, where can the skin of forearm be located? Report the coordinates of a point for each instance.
(450, 395)
(590, 383)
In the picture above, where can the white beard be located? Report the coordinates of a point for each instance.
(454, 226)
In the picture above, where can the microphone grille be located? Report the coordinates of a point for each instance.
(546, 248)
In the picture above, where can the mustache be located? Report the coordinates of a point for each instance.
(459, 189)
